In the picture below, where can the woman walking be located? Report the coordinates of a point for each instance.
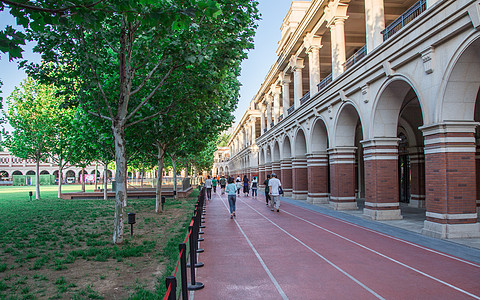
(245, 185)
(232, 196)
(254, 187)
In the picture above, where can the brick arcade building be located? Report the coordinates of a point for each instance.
(375, 101)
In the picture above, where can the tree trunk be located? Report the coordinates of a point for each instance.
(143, 172)
(83, 179)
(37, 178)
(96, 168)
(158, 191)
(174, 165)
(105, 181)
(120, 178)
(60, 169)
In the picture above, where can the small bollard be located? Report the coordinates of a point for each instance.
(30, 194)
(131, 221)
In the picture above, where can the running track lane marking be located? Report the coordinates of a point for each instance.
(366, 248)
(390, 237)
(275, 282)
(318, 254)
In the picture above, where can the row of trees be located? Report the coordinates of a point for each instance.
(151, 77)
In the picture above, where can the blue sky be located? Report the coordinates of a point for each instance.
(254, 69)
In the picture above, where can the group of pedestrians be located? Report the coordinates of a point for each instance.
(233, 187)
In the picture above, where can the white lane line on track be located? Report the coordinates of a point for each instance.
(366, 248)
(267, 270)
(392, 237)
(318, 254)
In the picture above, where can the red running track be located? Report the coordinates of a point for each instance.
(302, 254)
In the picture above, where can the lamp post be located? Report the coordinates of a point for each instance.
(30, 194)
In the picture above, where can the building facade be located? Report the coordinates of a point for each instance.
(12, 165)
(376, 100)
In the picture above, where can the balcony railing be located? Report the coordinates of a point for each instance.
(272, 124)
(356, 57)
(291, 109)
(305, 98)
(264, 130)
(280, 118)
(325, 81)
(404, 19)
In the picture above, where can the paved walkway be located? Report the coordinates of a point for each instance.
(311, 252)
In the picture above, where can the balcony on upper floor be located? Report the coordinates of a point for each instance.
(356, 57)
(305, 98)
(325, 81)
(413, 12)
(291, 109)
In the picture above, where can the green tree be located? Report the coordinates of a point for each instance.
(121, 53)
(32, 111)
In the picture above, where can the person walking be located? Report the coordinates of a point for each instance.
(254, 187)
(274, 185)
(208, 186)
(245, 185)
(232, 197)
(223, 182)
(214, 184)
(267, 189)
(239, 185)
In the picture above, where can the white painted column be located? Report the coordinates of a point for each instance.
(276, 103)
(269, 111)
(297, 82)
(312, 45)
(374, 23)
(252, 124)
(262, 120)
(337, 29)
(285, 94)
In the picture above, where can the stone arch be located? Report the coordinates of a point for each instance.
(44, 172)
(346, 121)
(391, 100)
(17, 172)
(286, 148)
(276, 152)
(300, 144)
(3, 175)
(319, 136)
(268, 154)
(461, 82)
(31, 172)
(261, 157)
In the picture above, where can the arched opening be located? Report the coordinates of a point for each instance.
(3, 175)
(397, 152)
(31, 172)
(346, 161)
(318, 166)
(17, 173)
(286, 166)
(44, 172)
(70, 176)
(299, 168)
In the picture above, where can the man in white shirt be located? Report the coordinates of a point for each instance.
(208, 186)
(274, 184)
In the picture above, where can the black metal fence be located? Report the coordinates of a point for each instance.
(174, 290)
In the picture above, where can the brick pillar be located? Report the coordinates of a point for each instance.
(300, 178)
(261, 174)
(268, 170)
(286, 179)
(381, 179)
(450, 180)
(317, 166)
(342, 178)
(417, 173)
(276, 169)
(477, 164)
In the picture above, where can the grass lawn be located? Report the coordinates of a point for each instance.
(62, 249)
